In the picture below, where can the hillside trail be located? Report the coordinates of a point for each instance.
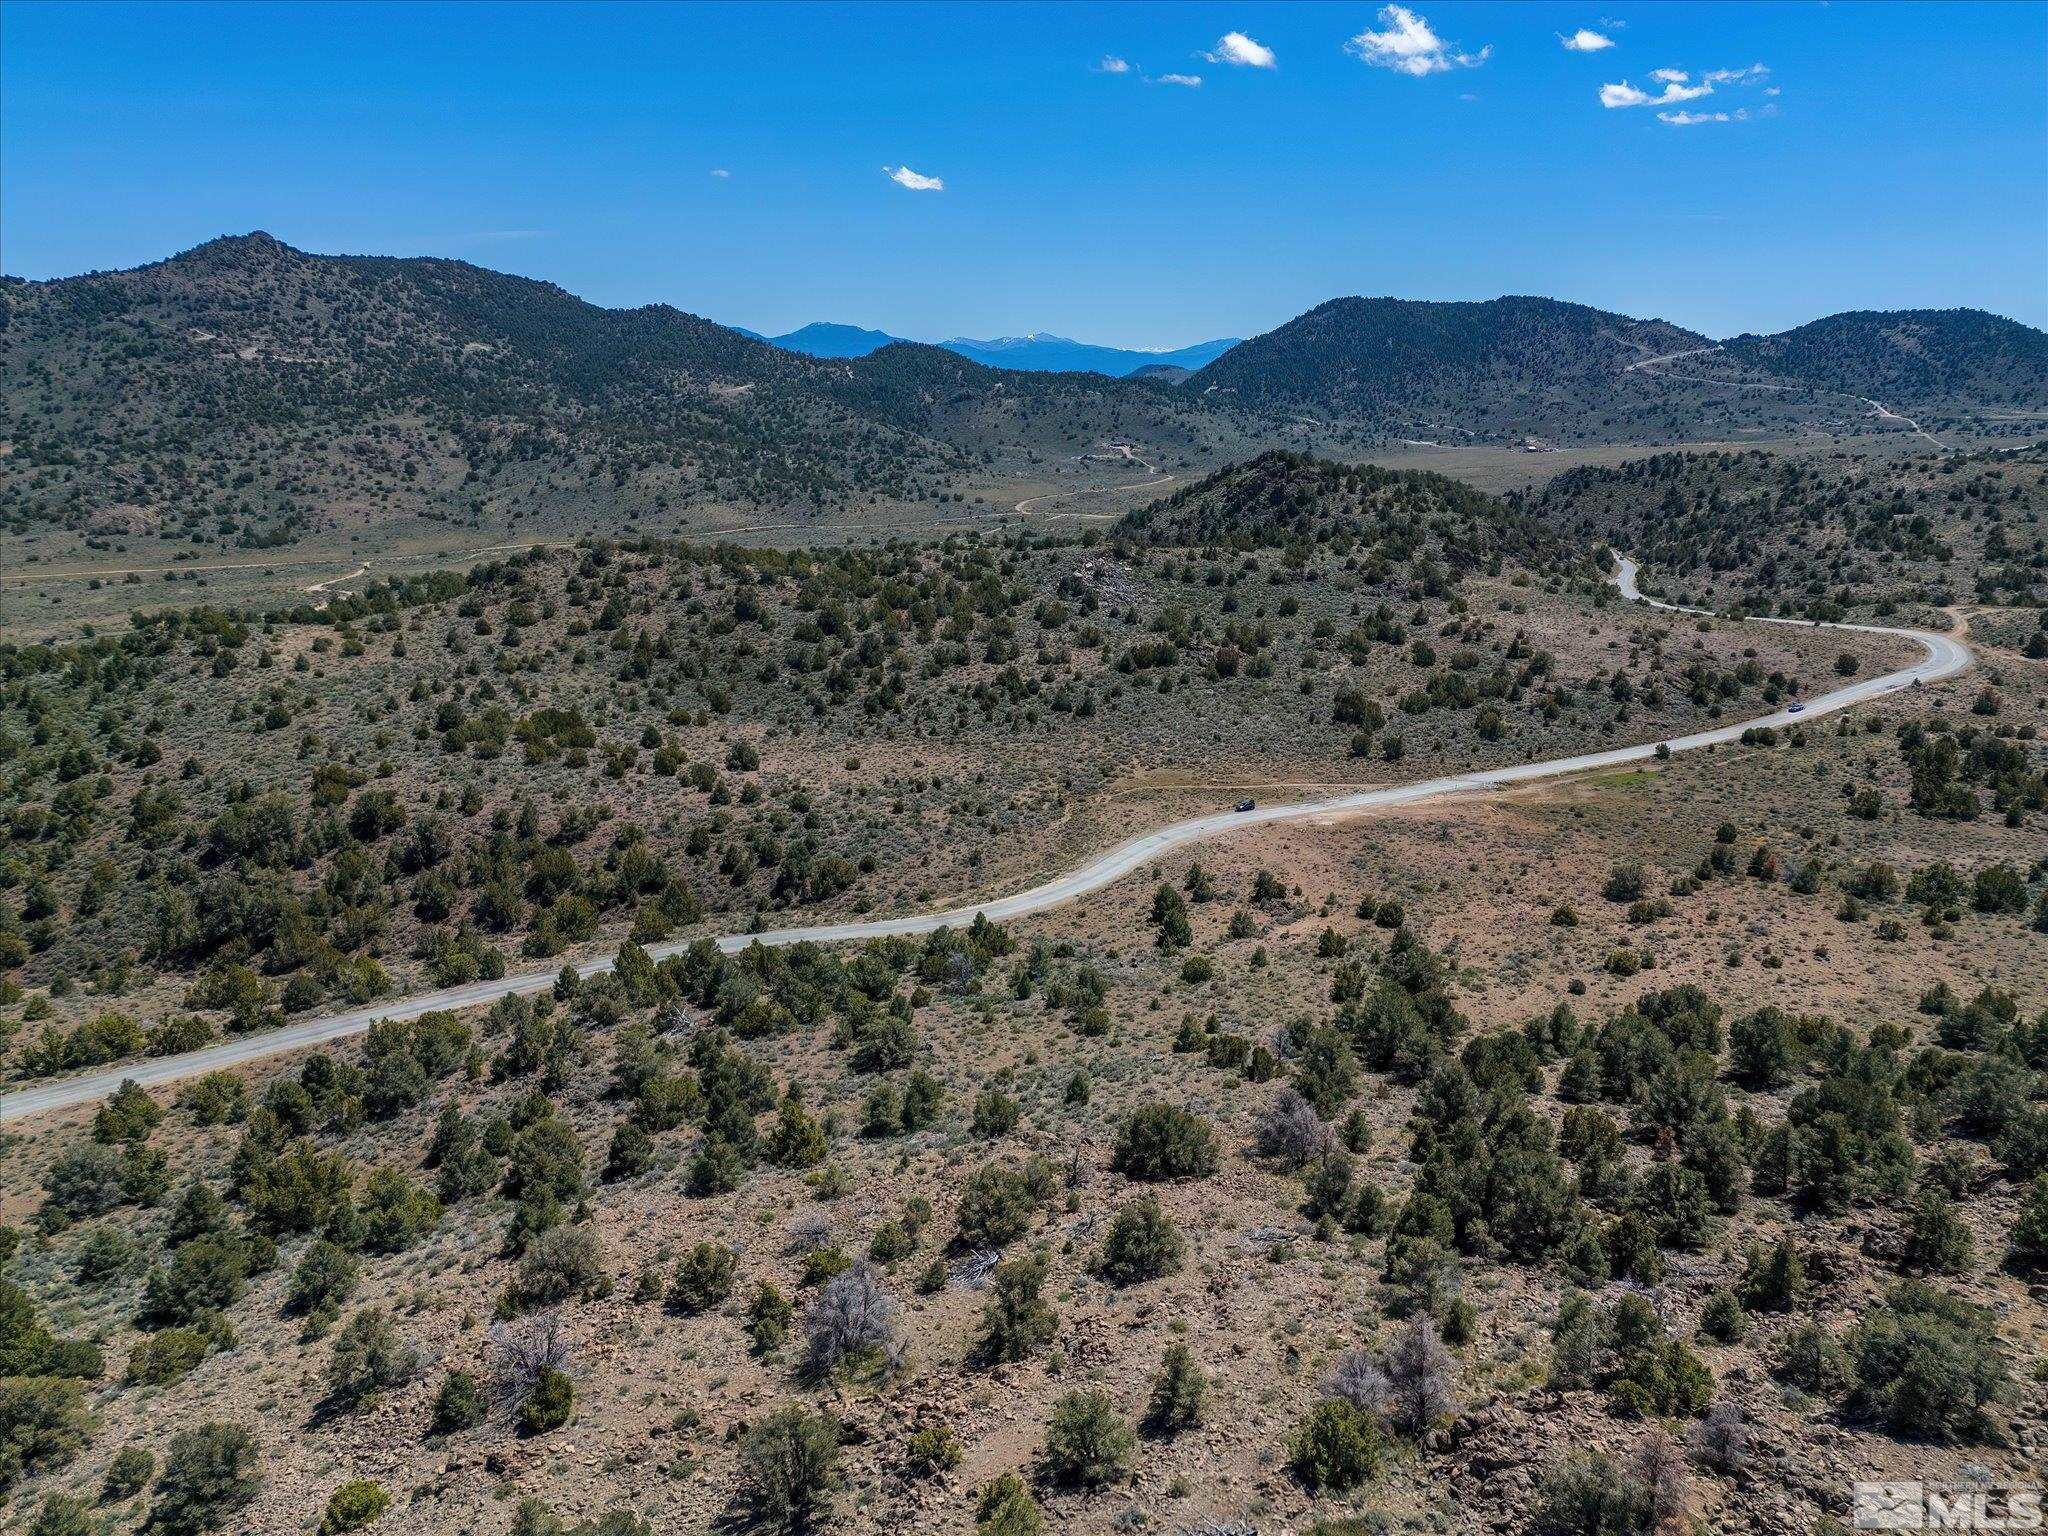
(1878, 408)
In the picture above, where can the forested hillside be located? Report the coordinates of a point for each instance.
(249, 394)
(250, 386)
(1458, 372)
(1937, 360)
(1819, 537)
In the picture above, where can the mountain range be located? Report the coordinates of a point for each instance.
(249, 383)
(1927, 358)
(248, 387)
(1466, 372)
(1036, 353)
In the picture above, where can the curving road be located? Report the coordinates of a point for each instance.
(1029, 502)
(1945, 657)
(1878, 408)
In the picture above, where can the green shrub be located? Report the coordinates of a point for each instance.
(630, 1154)
(1179, 1392)
(1164, 1141)
(26, 1346)
(1764, 1049)
(205, 1275)
(550, 1404)
(1675, 1201)
(65, 1514)
(532, 1517)
(107, 1254)
(995, 1113)
(1625, 883)
(322, 1280)
(703, 1278)
(127, 1474)
(996, 1206)
(1928, 1365)
(1721, 1318)
(1337, 1447)
(560, 1265)
(1016, 1320)
(798, 1140)
(2029, 1247)
(129, 1115)
(823, 1264)
(1143, 1244)
(1591, 1496)
(1937, 1241)
(932, 1449)
(1630, 1247)
(1576, 1339)
(43, 1424)
(1006, 1508)
(82, 1182)
(161, 1358)
(210, 1474)
(789, 1468)
(355, 1504)
(460, 1403)
(396, 1213)
(1654, 1376)
(923, 1096)
(1087, 1442)
(891, 1242)
(1773, 1279)
(769, 1314)
(1809, 1358)
(369, 1359)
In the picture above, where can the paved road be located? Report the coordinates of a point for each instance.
(1945, 657)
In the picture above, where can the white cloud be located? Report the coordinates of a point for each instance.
(1190, 81)
(904, 176)
(1688, 119)
(1410, 46)
(721, 173)
(1112, 65)
(1678, 86)
(1236, 48)
(1622, 94)
(1586, 40)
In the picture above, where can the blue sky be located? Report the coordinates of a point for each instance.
(1889, 155)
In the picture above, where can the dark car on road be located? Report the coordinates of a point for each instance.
(1245, 805)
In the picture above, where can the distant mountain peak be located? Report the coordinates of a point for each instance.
(825, 338)
(1033, 352)
(258, 242)
(1030, 339)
